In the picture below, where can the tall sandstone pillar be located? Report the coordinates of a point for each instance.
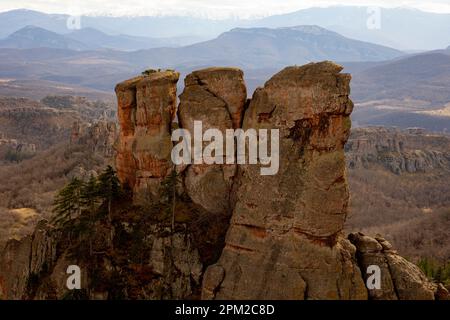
(216, 97)
(147, 106)
(285, 240)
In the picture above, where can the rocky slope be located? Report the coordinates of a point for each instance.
(398, 181)
(223, 231)
(27, 193)
(49, 121)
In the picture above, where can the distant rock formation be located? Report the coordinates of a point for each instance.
(14, 150)
(275, 237)
(100, 136)
(400, 151)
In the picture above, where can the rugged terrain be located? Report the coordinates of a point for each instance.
(46, 122)
(399, 188)
(29, 186)
(165, 237)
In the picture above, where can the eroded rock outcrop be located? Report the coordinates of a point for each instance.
(99, 136)
(285, 228)
(216, 97)
(285, 240)
(23, 261)
(147, 106)
(400, 279)
(284, 232)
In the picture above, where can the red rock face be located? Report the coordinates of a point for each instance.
(147, 107)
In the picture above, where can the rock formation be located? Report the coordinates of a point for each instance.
(147, 106)
(13, 150)
(289, 224)
(217, 97)
(400, 279)
(22, 261)
(284, 233)
(99, 136)
(400, 151)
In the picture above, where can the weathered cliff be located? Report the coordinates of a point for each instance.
(288, 224)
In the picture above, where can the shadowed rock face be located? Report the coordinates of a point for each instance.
(24, 259)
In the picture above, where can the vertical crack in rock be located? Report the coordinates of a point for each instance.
(216, 97)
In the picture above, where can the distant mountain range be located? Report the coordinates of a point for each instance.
(59, 58)
(421, 77)
(83, 39)
(401, 28)
(255, 48)
(409, 92)
(34, 37)
(389, 86)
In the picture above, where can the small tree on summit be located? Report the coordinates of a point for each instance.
(149, 72)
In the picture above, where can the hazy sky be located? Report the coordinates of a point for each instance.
(207, 8)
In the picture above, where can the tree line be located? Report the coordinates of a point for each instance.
(439, 272)
(79, 196)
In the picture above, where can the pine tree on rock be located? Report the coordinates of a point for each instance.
(109, 189)
(68, 202)
(89, 198)
(89, 194)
